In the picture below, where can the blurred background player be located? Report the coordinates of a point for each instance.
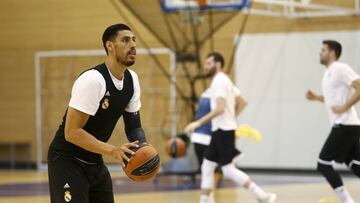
(226, 105)
(201, 136)
(341, 90)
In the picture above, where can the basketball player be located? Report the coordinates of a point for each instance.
(100, 96)
(226, 105)
(341, 90)
(201, 136)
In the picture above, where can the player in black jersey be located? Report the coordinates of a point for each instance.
(100, 96)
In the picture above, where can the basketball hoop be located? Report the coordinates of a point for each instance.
(202, 3)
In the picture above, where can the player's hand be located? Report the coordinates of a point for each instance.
(191, 127)
(310, 95)
(119, 152)
(339, 109)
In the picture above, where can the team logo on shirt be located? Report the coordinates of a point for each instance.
(105, 104)
(67, 196)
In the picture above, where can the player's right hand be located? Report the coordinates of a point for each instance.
(191, 127)
(310, 95)
(119, 152)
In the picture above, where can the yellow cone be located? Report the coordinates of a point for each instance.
(327, 200)
(248, 132)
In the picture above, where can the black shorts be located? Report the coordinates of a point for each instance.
(222, 147)
(342, 145)
(72, 180)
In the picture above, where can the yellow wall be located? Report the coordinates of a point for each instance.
(39, 25)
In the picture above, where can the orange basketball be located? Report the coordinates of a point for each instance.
(144, 164)
(176, 147)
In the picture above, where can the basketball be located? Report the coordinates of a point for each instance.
(144, 164)
(176, 147)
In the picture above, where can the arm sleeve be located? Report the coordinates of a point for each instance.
(218, 88)
(134, 104)
(87, 92)
(236, 91)
(133, 128)
(347, 75)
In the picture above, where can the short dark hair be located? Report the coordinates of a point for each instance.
(111, 32)
(334, 46)
(217, 58)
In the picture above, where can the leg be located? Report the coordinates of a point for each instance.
(243, 180)
(199, 151)
(218, 176)
(101, 190)
(327, 170)
(355, 167)
(234, 174)
(228, 153)
(207, 179)
(353, 162)
(336, 148)
(66, 180)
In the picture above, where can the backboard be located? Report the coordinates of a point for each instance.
(178, 5)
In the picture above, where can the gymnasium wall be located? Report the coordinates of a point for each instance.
(274, 71)
(43, 25)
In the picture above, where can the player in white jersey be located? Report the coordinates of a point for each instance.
(341, 90)
(226, 105)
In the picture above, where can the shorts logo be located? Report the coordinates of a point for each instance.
(105, 104)
(67, 196)
(66, 185)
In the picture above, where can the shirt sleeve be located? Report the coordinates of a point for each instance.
(87, 92)
(135, 103)
(219, 88)
(347, 75)
(236, 91)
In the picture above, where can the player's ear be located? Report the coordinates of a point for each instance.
(109, 46)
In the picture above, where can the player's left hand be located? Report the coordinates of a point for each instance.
(191, 127)
(339, 109)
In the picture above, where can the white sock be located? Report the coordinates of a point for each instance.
(204, 199)
(257, 191)
(343, 195)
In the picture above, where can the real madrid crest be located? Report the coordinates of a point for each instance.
(67, 196)
(105, 104)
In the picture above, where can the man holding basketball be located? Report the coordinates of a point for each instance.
(226, 104)
(341, 90)
(100, 96)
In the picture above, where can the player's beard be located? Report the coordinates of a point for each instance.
(125, 62)
(211, 72)
(324, 60)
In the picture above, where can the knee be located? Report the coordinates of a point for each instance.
(228, 170)
(231, 172)
(324, 166)
(325, 169)
(355, 167)
(208, 167)
(320, 167)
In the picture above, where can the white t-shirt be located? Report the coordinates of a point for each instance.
(336, 87)
(90, 87)
(222, 86)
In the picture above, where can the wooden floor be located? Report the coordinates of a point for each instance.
(289, 189)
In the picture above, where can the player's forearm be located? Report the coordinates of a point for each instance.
(133, 128)
(88, 142)
(240, 106)
(353, 99)
(319, 98)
